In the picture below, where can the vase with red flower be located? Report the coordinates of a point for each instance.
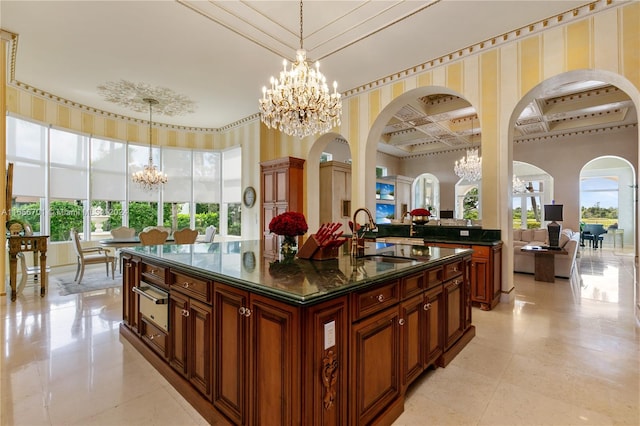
(288, 225)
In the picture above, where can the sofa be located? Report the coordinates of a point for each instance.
(525, 262)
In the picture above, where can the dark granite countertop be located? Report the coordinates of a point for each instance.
(303, 282)
(472, 235)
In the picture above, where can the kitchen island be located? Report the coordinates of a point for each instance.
(330, 342)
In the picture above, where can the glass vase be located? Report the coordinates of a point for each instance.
(288, 248)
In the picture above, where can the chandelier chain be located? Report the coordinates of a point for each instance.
(301, 19)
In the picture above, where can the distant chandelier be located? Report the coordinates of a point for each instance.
(150, 178)
(299, 103)
(518, 185)
(469, 168)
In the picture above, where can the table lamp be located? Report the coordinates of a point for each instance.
(553, 213)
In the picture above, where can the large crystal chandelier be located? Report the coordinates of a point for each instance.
(150, 178)
(469, 168)
(299, 103)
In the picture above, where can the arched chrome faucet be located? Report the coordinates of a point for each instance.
(371, 226)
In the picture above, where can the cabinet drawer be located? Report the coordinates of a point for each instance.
(481, 251)
(434, 277)
(154, 274)
(153, 336)
(453, 269)
(194, 287)
(411, 285)
(367, 302)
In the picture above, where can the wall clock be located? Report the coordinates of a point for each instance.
(249, 196)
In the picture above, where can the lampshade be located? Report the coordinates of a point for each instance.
(553, 212)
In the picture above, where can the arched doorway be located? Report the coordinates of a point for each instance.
(338, 147)
(607, 198)
(580, 147)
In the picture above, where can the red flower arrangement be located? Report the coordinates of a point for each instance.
(420, 212)
(288, 224)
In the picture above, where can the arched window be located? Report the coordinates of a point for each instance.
(426, 193)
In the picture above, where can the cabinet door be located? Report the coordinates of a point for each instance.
(130, 279)
(375, 365)
(433, 310)
(412, 333)
(178, 316)
(199, 324)
(454, 310)
(282, 185)
(274, 370)
(480, 287)
(268, 187)
(230, 352)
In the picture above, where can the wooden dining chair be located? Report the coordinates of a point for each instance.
(185, 236)
(153, 237)
(91, 256)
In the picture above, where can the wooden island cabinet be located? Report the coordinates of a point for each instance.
(334, 342)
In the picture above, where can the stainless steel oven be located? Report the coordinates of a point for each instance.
(154, 304)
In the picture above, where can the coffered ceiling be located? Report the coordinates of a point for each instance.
(443, 122)
(219, 54)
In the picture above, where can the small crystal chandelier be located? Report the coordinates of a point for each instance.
(150, 178)
(518, 185)
(469, 168)
(299, 103)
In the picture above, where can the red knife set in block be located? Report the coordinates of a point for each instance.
(324, 244)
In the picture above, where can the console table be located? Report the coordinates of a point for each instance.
(34, 244)
(545, 266)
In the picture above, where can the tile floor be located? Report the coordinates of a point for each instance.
(560, 354)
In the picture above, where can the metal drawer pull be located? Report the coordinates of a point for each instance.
(142, 291)
(153, 336)
(152, 271)
(185, 313)
(185, 284)
(401, 321)
(244, 311)
(380, 298)
(247, 312)
(426, 306)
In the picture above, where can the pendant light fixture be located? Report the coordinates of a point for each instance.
(150, 178)
(299, 103)
(469, 167)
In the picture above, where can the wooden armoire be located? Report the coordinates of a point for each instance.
(282, 184)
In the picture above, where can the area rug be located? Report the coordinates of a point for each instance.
(91, 281)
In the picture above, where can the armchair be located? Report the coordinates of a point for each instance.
(91, 256)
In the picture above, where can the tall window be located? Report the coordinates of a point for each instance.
(231, 194)
(63, 180)
(599, 199)
(426, 193)
(527, 206)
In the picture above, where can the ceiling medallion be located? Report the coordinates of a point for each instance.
(299, 103)
(134, 96)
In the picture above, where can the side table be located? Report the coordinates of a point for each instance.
(33, 243)
(545, 266)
